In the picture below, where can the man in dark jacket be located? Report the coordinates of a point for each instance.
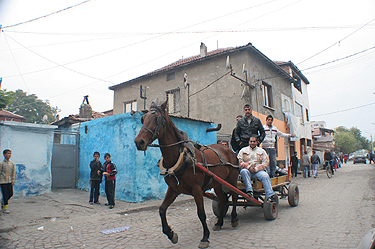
(95, 178)
(247, 126)
(315, 161)
(328, 158)
(294, 164)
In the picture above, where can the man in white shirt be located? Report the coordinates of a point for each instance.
(268, 143)
(253, 161)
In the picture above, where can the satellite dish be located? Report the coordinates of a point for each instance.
(186, 80)
(243, 68)
(227, 63)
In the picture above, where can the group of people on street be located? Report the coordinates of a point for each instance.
(109, 170)
(256, 162)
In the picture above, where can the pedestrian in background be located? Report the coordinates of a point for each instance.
(7, 179)
(315, 161)
(294, 164)
(109, 172)
(95, 179)
(306, 164)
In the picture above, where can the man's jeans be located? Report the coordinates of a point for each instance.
(315, 166)
(272, 155)
(262, 176)
(306, 169)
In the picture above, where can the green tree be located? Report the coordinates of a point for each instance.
(5, 98)
(346, 142)
(350, 140)
(33, 109)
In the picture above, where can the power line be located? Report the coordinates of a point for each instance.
(121, 34)
(14, 59)
(338, 59)
(336, 42)
(60, 65)
(325, 114)
(41, 17)
(210, 84)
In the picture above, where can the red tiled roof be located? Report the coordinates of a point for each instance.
(190, 59)
(10, 115)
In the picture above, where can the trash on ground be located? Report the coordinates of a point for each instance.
(41, 228)
(53, 219)
(114, 230)
(71, 228)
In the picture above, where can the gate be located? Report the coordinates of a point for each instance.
(65, 159)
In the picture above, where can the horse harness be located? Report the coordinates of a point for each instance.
(187, 158)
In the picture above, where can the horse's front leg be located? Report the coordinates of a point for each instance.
(169, 198)
(198, 197)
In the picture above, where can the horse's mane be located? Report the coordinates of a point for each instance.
(168, 121)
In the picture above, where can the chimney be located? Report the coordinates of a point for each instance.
(85, 111)
(203, 50)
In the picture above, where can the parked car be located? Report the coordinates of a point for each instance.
(359, 158)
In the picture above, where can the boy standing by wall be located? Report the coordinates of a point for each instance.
(109, 172)
(7, 178)
(95, 179)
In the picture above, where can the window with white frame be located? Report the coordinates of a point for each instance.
(299, 111)
(267, 94)
(173, 97)
(130, 106)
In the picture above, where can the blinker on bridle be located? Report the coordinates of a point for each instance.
(160, 121)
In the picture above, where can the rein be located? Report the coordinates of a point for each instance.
(170, 145)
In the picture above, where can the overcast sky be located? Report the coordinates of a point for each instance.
(87, 48)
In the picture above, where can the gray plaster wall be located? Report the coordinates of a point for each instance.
(220, 101)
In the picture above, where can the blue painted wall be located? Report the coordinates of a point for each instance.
(138, 177)
(31, 146)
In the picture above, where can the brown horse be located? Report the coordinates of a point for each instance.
(158, 125)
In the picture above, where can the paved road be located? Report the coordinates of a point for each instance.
(333, 213)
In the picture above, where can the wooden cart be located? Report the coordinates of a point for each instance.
(281, 185)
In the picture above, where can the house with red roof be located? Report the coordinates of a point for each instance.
(215, 86)
(8, 116)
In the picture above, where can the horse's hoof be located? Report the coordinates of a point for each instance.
(216, 228)
(204, 244)
(235, 224)
(174, 239)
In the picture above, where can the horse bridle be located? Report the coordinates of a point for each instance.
(160, 122)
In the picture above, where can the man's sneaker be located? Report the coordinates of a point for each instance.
(272, 199)
(250, 193)
(97, 202)
(6, 211)
(91, 203)
(111, 206)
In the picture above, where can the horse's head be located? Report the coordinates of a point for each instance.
(154, 122)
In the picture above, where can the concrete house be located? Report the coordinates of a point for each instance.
(215, 86)
(300, 121)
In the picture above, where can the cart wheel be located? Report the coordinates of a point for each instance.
(293, 195)
(216, 208)
(271, 209)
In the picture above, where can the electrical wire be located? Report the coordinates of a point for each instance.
(204, 88)
(60, 65)
(41, 17)
(122, 34)
(325, 114)
(14, 59)
(346, 57)
(337, 42)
